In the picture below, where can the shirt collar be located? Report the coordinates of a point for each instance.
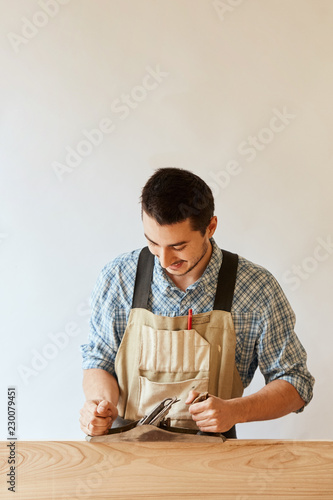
(207, 280)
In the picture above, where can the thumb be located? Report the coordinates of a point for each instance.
(103, 407)
(191, 396)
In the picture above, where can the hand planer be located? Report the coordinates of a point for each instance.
(156, 427)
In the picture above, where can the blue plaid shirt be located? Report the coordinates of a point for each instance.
(263, 319)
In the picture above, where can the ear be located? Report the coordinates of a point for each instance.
(212, 226)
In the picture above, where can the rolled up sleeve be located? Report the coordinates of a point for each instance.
(280, 352)
(103, 339)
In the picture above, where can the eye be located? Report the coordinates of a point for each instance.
(181, 248)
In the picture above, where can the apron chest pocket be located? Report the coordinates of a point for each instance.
(173, 351)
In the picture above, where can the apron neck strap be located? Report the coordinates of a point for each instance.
(144, 274)
(225, 284)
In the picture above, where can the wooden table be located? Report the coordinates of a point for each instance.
(237, 469)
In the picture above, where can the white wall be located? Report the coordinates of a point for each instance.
(225, 69)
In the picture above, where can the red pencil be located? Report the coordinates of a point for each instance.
(189, 319)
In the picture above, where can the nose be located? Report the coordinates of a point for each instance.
(165, 256)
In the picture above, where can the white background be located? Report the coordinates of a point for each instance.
(226, 69)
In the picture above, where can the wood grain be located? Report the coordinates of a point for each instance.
(237, 469)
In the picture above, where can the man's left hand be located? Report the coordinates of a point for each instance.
(213, 414)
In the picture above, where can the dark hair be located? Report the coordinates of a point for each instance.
(173, 195)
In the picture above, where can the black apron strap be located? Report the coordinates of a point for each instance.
(144, 274)
(226, 282)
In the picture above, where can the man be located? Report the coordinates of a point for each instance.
(141, 348)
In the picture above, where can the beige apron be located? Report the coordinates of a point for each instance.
(160, 358)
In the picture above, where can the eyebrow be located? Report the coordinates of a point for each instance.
(172, 245)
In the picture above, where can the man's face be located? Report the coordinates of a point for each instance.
(178, 248)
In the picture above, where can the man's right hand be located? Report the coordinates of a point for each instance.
(97, 416)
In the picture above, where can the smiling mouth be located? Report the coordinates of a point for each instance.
(176, 265)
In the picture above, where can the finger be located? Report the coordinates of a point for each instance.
(208, 428)
(92, 431)
(201, 417)
(204, 416)
(89, 410)
(101, 422)
(87, 415)
(198, 408)
(95, 429)
(204, 421)
(85, 427)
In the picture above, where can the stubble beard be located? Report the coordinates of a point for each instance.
(205, 248)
